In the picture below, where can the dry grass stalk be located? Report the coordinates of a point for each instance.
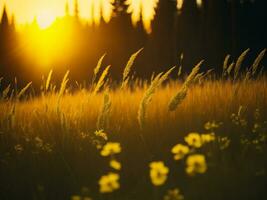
(181, 94)
(48, 80)
(158, 80)
(23, 90)
(239, 63)
(102, 120)
(97, 68)
(127, 69)
(101, 80)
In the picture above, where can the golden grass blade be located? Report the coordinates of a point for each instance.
(230, 68)
(239, 63)
(101, 80)
(158, 80)
(190, 79)
(104, 114)
(128, 67)
(152, 77)
(257, 62)
(63, 84)
(225, 64)
(23, 90)
(6, 91)
(181, 94)
(48, 80)
(178, 98)
(97, 68)
(199, 77)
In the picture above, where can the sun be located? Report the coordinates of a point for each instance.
(45, 19)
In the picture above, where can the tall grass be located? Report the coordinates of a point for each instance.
(48, 80)
(101, 80)
(239, 63)
(56, 147)
(97, 68)
(155, 84)
(127, 69)
(103, 117)
(181, 94)
(23, 90)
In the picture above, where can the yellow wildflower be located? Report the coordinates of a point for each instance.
(115, 164)
(196, 164)
(109, 183)
(101, 134)
(111, 148)
(206, 138)
(174, 194)
(211, 125)
(194, 140)
(180, 151)
(158, 173)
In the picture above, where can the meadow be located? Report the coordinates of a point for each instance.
(201, 135)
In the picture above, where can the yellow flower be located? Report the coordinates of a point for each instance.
(180, 151)
(158, 173)
(101, 134)
(109, 183)
(196, 164)
(115, 164)
(206, 138)
(174, 194)
(111, 148)
(194, 140)
(211, 125)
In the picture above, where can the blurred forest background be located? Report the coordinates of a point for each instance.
(209, 31)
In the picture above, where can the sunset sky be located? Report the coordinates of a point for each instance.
(26, 10)
(47, 11)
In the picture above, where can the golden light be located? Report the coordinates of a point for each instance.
(100, 9)
(180, 4)
(48, 45)
(107, 9)
(148, 13)
(142, 8)
(91, 10)
(45, 19)
(134, 7)
(199, 3)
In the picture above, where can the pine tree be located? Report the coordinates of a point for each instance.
(76, 9)
(67, 9)
(13, 22)
(4, 20)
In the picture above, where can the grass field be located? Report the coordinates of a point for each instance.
(195, 136)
